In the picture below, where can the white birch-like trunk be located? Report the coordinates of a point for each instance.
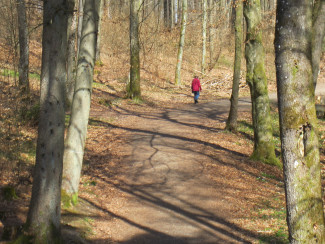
(72, 52)
(181, 44)
(77, 131)
(204, 35)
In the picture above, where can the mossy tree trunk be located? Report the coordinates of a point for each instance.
(77, 131)
(23, 48)
(134, 90)
(298, 122)
(43, 220)
(255, 76)
(204, 35)
(181, 43)
(318, 36)
(232, 118)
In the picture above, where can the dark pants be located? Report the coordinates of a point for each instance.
(196, 96)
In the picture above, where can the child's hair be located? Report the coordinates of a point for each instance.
(195, 76)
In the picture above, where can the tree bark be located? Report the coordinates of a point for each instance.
(318, 37)
(100, 7)
(181, 43)
(80, 21)
(77, 131)
(23, 67)
(298, 122)
(256, 79)
(43, 220)
(71, 53)
(232, 118)
(204, 34)
(134, 91)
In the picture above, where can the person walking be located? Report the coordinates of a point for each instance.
(196, 88)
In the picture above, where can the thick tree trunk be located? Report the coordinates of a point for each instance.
(204, 35)
(318, 37)
(134, 90)
(43, 220)
(256, 79)
(77, 131)
(232, 118)
(23, 67)
(298, 122)
(72, 53)
(181, 44)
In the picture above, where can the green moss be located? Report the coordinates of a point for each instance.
(23, 239)
(9, 193)
(265, 153)
(295, 69)
(68, 200)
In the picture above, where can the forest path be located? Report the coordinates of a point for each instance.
(170, 198)
(179, 184)
(177, 176)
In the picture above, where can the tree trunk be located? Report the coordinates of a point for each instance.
(166, 17)
(204, 35)
(77, 131)
(318, 37)
(212, 33)
(298, 122)
(134, 90)
(232, 118)
(71, 53)
(80, 21)
(23, 48)
(176, 12)
(181, 43)
(100, 7)
(43, 220)
(256, 79)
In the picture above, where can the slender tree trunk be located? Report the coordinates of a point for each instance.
(176, 11)
(77, 131)
(256, 79)
(212, 32)
(80, 21)
(298, 122)
(232, 118)
(72, 53)
(318, 37)
(100, 6)
(43, 220)
(23, 48)
(134, 90)
(166, 17)
(181, 43)
(204, 35)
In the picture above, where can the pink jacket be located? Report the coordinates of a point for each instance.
(196, 85)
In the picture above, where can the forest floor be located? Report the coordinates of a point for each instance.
(161, 170)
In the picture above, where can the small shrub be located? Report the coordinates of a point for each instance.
(31, 115)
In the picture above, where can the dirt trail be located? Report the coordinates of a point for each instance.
(170, 196)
